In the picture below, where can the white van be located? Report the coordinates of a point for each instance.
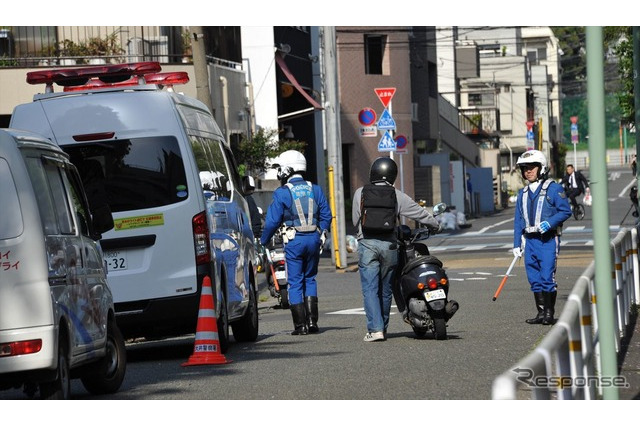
(124, 126)
(57, 318)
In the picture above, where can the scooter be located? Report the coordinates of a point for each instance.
(276, 270)
(421, 283)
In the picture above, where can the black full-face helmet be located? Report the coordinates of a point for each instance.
(383, 169)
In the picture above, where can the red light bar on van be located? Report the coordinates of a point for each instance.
(93, 136)
(80, 76)
(162, 78)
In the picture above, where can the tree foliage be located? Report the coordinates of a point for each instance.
(254, 154)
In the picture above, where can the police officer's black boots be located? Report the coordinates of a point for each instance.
(549, 307)
(299, 319)
(311, 307)
(539, 298)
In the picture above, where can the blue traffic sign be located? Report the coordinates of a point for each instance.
(386, 143)
(367, 116)
(386, 122)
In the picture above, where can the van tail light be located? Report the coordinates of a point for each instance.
(24, 347)
(201, 238)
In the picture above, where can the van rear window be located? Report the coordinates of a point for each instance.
(131, 174)
(11, 223)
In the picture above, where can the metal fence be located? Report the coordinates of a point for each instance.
(565, 364)
(27, 46)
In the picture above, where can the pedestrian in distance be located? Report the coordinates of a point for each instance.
(377, 207)
(575, 183)
(303, 208)
(541, 209)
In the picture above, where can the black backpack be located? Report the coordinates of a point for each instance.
(378, 210)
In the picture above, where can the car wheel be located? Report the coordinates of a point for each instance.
(109, 372)
(223, 325)
(60, 388)
(246, 329)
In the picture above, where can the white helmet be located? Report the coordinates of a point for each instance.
(533, 157)
(290, 162)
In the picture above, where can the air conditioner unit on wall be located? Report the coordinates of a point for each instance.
(148, 49)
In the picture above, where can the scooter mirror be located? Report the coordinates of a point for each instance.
(439, 208)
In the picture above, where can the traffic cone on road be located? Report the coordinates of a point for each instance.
(206, 348)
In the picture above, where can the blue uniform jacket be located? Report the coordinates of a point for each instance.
(280, 210)
(555, 210)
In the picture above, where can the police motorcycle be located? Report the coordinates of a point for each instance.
(276, 268)
(421, 283)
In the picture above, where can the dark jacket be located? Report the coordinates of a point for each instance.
(581, 181)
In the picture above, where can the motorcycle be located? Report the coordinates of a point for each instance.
(422, 284)
(276, 270)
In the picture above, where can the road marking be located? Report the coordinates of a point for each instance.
(356, 311)
(625, 191)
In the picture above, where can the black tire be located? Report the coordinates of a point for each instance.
(578, 213)
(440, 328)
(223, 325)
(108, 374)
(246, 329)
(60, 388)
(284, 297)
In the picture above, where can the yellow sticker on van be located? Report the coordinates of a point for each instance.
(138, 222)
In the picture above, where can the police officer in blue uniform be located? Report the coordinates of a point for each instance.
(303, 208)
(541, 209)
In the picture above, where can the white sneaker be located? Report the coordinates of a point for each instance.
(374, 337)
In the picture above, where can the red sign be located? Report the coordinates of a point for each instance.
(385, 94)
(367, 117)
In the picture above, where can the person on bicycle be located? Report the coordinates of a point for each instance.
(541, 209)
(575, 184)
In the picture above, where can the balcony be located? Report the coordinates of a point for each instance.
(27, 47)
(480, 124)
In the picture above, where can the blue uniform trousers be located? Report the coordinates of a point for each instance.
(302, 255)
(540, 261)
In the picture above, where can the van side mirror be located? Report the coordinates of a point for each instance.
(102, 219)
(248, 185)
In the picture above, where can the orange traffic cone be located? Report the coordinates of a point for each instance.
(206, 348)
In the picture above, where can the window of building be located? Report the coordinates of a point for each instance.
(481, 99)
(374, 49)
(535, 56)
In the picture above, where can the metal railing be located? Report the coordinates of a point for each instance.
(566, 362)
(28, 46)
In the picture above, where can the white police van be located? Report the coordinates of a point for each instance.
(124, 127)
(57, 318)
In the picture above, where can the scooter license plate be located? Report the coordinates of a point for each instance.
(434, 295)
(281, 275)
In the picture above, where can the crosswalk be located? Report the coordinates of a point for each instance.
(572, 236)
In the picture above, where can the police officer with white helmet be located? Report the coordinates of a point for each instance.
(304, 210)
(541, 209)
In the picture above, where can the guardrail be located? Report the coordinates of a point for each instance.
(565, 364)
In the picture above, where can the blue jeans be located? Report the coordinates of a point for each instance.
(377, 264)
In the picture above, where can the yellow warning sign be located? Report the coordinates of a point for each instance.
(138, 222)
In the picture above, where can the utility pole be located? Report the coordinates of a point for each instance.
(604, 295)
(203, 93)
(334, 145)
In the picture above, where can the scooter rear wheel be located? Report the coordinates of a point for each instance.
(440, 328)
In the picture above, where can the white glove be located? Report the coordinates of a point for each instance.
(517, 252)
(544, 227)
(323, 239)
